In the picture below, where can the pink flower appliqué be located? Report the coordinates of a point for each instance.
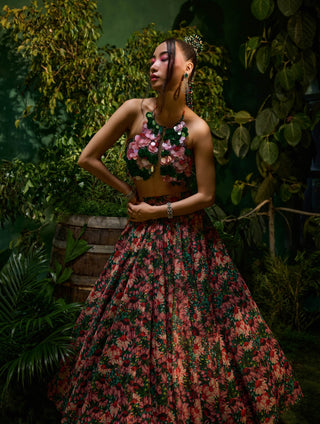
(141, 140)
(179, 127)
(132, 151)
(166, 145)
(149, 134)
(143, 163)
(153, 147)
(179, 152)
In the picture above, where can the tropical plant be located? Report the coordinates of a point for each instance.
(287, 54)
(35, 327)
(288, 292)
(242, 235)
(59, 41)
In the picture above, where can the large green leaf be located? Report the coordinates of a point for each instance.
(75, 247)
(269, 151)
(282, 109)
(261, 166)
(286, 78)
(236, 194)
(262, 9)
(292, 133)
(282, 46)
(242, 117)
(253, 43)
(220, 138)
(241, 141)
(255, 143)
(289, 7)
(266, 122)
(263, 58)
(247, 51)
(285, 193)
(282, 94)
(302, 29)
(296, 71)
(266, 189)
(220, 147)
(308, 64)
(303, 120)
(221, 131)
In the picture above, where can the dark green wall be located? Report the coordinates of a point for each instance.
(123, 17)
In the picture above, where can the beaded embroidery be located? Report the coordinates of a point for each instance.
(157, 143)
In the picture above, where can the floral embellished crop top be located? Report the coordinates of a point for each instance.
(160, 144)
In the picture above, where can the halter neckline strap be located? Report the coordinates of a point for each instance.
(164, 126)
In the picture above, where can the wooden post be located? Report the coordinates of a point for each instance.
(271, 230)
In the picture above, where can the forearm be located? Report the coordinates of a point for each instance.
(99, 170)
(185, 206)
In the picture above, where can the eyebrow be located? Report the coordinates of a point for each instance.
(164, 52)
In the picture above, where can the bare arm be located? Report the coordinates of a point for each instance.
(118, 124)
(205, 174)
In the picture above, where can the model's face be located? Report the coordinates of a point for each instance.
(159, 67)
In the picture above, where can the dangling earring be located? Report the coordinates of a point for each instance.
(189, 92)
(177, 92)
(185, 83)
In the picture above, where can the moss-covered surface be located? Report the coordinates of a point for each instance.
(303, 350)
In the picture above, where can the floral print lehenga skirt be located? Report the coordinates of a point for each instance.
(171, 334)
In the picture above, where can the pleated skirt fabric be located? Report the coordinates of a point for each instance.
(171, 334)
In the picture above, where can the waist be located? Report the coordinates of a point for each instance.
(165, 198)
(155, 187)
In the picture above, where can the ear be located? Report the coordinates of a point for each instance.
(189, 67)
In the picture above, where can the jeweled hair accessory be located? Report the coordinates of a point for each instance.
(196, 42)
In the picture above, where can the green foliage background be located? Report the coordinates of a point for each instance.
(78, 85)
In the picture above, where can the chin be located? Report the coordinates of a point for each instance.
(156, 85)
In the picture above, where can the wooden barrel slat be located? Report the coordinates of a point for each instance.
(92, 235)
(101, 234)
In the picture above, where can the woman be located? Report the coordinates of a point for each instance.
(169, 333)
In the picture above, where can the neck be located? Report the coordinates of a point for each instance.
(169, 110)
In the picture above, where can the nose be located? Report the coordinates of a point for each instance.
(154, 66)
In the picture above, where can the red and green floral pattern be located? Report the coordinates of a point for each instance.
(171, 334)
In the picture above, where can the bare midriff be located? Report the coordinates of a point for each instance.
(155, 186)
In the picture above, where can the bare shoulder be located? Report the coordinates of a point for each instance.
(199, 130)
(135, 107)
(128, 114)
(131, 106)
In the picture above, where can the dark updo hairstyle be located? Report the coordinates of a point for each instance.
(189, 54)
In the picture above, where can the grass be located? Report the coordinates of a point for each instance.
(302, 349)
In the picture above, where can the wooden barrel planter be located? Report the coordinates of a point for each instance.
(101, 234)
